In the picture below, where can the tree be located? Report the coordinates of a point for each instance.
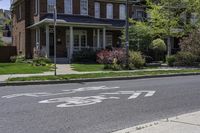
(191, 43)
(171, 18)
(139, 36)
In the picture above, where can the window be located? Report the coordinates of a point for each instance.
(36, 7)
(109, 39)
(84, 7)
(122, 11)
(68, 6)
(80, 40)
(19, 12)
(50, 6)
(109, 11)
(140, 14)
(97, 10)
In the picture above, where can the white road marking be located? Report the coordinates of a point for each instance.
(77, 101)
(64, 102)
(65, 92)
(134, 94)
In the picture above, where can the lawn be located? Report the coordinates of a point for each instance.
(87, 67)
(21, 68)
(106, 74)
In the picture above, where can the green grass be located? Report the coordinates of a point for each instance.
(21, 68)
(103, 75)
(87, 67)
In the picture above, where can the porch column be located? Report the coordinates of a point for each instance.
(71, 42)
(98, 38)
(47, 41)
(104, 37)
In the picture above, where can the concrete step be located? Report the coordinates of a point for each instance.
(61, 60)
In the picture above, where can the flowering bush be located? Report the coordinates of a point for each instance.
(110, 56)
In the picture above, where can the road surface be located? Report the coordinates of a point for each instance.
(95, 107)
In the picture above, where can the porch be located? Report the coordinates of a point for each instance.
(75, 36)
(72, 39)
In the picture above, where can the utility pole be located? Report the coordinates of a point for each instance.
(55, 19)
(127, 32)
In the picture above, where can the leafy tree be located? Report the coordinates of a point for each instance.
(191, 43)
(139, 36)
(171, 18)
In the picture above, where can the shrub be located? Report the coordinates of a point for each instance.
(86, 55)
(110, 56)
(159, 47)
(136, 60)
(20, 59)
(41, 61)
(13, 59)
(171, 60)
(185, 59)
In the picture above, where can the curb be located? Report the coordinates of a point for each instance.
(22, 83)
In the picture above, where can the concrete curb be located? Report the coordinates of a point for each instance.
(22, 83)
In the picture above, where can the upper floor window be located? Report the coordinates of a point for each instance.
(84, 7)
(68, 6)
(97, 10)
(50, 5)
(19, 12)
(122, 11)
(140, 14)
(36, 7)
(109, 13)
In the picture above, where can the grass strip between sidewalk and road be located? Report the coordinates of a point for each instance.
(105, 75)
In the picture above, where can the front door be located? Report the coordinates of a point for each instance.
(51, 44)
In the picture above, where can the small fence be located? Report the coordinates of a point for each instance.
(6, 52)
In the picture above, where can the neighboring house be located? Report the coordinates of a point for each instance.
(81, 24)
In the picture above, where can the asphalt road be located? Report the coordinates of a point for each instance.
(96, 107)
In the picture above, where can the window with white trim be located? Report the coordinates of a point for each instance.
(36, 7)
(80, 40)
(122, 11)
(68, 7)
(97, 10)
(50, 5)
(109, 11)
(84, 7)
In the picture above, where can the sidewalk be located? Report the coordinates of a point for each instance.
(64, 69)
(187, 123)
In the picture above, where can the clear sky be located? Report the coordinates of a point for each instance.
(4, 4)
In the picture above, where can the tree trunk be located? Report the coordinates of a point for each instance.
(169, 48)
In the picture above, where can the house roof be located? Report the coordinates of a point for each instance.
(87, 20)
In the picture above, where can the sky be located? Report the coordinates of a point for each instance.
(4, 4)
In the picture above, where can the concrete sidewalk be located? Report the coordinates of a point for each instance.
(65, 69)
(187, 123)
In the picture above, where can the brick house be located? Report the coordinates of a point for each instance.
(81, 24)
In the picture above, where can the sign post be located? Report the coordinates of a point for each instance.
(55, 19)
